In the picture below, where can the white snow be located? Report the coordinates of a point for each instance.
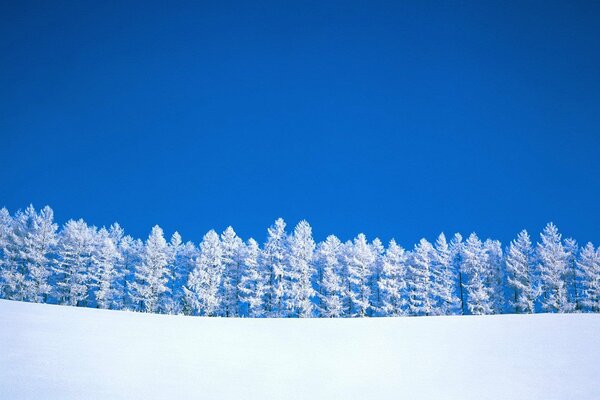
(59, 352)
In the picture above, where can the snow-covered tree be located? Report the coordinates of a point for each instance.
(589, 265)
(331, 288)
(105, 271)
(274, 259)
(131, 251)
(495, 274)
(301, 271)
(392, 281)
(182, 260)
(203, 284)
(418, 280)
(445, 280)
(360, 258)
(519, 265)
(253, 284)
(552, 266)
(5, 227)
(572, 275)
(73, 271)
(152, 274)
(476, 267)
(375, 301)
(456, 254)
(232, 255)
(27, 255)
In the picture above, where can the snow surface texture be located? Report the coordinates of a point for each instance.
(59, 352)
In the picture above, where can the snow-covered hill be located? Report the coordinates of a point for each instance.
(57, 352)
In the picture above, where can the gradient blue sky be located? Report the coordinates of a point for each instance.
(399, 119)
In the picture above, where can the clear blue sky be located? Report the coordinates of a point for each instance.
(399, 119)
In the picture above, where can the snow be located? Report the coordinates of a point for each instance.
(59, 352)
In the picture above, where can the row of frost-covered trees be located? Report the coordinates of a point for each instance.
(290, 275)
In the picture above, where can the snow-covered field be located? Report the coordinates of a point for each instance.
(57, 352)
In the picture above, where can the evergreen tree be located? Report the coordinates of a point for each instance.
(572, 276)
(301, 271)
(495, 274)
(232, 255)
(105, 263)
(419, 285)
(456, 254)
(476, 267)
(274, 258)
(74, 265)
(375, 301)
(552, 265)
(27, 255)
(519, 261)
(446, 279)
(152, 274)
(330, 285)
(203, 284)
(392, 282)
(253, 284)
(360, 261)
(589, 265)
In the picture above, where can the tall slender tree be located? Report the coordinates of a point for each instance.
(331, 287)
(476, 266)
(519, 265)
(392, 281)
(419, 285)
(152, 274)
(203, 284)
(232, 254)
(552, 265)
(253, 284)
(73, 271)
(302, 247)
(446, 279)
(274, 258)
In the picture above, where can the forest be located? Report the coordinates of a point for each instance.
(290, 275)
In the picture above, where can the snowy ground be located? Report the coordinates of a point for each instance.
(55, 352)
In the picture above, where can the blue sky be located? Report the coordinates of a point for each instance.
(399, 119)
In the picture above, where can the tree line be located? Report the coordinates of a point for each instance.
(290, 275)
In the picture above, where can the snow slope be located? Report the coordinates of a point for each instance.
(57, 352)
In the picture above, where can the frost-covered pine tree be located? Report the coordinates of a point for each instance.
(519, 265)
(360, 258)
(552, 266)
(378, 251)
(27, 255)
(589, 267)
(392, 281)
(418, 280)
(328, 260)
(572, 276)
(203, 284)
(476, 267)
(182, 260)
(6, 223)
(152, 274)
(301, 271)
(73, 270)
(232, 255)
(456, 251)
(132, 251)
(495, 274)
(105, 271)
(445, 279)
(253, 284)
(5, 227)
(274, 259)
